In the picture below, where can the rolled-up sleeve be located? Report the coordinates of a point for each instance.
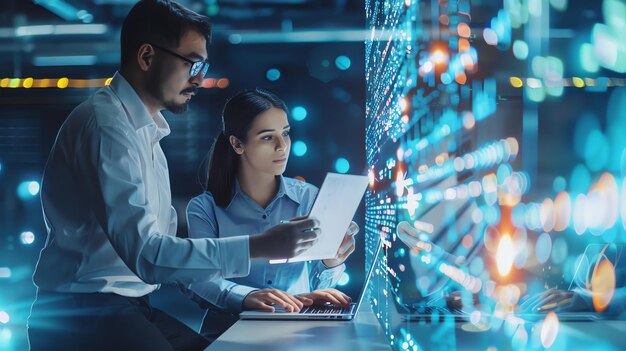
(222, 293)
(322, 277)
(132, 229)
(173, 227)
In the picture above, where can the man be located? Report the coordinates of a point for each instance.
(107, 203)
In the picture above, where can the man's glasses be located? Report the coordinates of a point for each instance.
(196, 66)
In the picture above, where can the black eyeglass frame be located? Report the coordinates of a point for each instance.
(196, 66)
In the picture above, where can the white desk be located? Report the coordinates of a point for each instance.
(362, 333)
(365, 333)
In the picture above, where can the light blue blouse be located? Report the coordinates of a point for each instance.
(243, 216)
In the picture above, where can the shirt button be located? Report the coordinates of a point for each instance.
(264, 216)
(269, 282)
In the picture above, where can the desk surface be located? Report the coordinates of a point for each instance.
(365, 333)
(362, 333)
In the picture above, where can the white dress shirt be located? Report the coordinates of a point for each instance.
(107, 206)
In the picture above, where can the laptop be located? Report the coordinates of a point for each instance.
(581, 281)
(428, 309)
(325, 312)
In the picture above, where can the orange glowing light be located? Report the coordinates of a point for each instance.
(602, 285)
(43, 83)
(464, 44)
(468, 120)
(464, 30)
(461, 78)
(562, 211)
(222, 83)
(439, 160)
(468, 241)
(79, 83)
(403, 104)
(439, 57)
(209, 83)
(372, 178)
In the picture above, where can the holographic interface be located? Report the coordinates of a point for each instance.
(495, 140)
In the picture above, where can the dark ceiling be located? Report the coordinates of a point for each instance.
(24, 35)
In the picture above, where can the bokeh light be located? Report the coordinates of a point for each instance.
(549, 330)
(4, 317)
(272, 74)
(343, 62)
(520, 49)
(299, 113)
(602, 284)
(27, 237)
(505, 255)
(299, 148)
(342, 165)
(28, 189)
(543, 248)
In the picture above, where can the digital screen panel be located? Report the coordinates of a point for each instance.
(494, 141)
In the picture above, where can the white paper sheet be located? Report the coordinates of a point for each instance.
(334, 208)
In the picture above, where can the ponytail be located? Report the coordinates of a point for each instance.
(221, 170)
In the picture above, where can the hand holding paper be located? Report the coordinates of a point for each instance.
(334, 208)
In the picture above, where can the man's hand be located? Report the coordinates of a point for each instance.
(557, 300)
(262, 300)
(323, 296)
(346, 248)
(285, 240)
(410, 235)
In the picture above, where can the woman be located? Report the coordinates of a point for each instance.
(246, 193)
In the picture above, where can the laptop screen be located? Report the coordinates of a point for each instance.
(369, 275)
(595, 254)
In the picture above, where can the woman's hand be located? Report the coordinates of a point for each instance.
(321, 297)
(346, 248)
(262, 300)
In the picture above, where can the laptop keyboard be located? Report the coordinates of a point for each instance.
(428, 310)
(327, 310)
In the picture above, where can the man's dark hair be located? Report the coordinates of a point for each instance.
(161, 22)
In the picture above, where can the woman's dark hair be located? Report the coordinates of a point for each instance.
(237, 117)
(161, 22)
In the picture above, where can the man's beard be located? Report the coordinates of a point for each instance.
(177, 108)
(154, 87)
(180, 108)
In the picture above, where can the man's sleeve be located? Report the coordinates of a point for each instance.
(132, 226)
